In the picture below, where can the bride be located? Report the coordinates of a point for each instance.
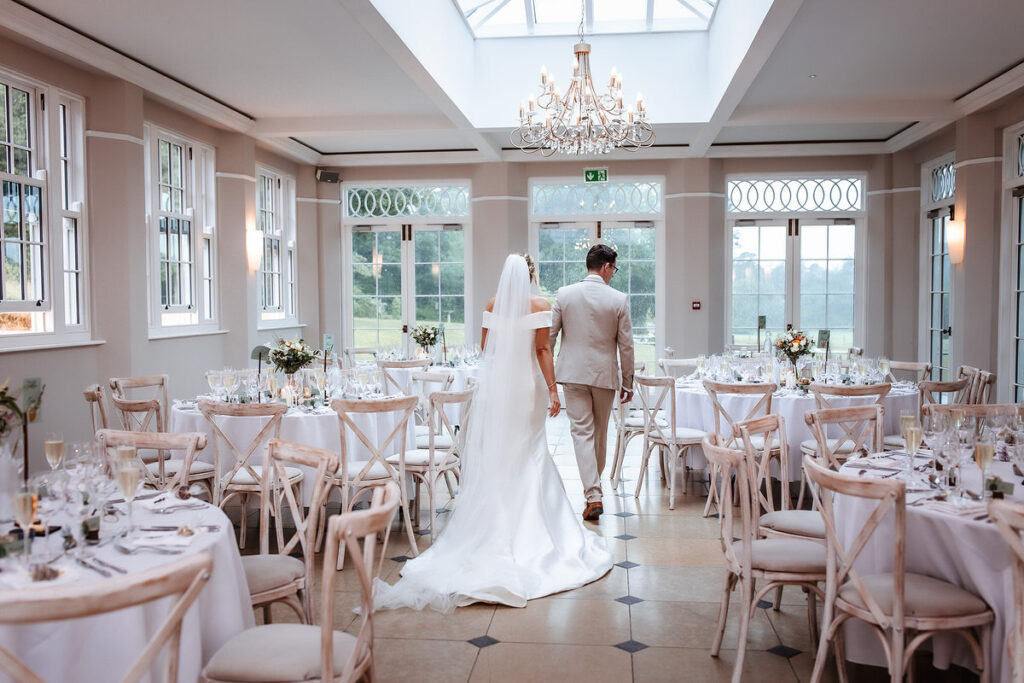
(513, 535)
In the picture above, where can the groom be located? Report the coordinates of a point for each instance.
(594, 321)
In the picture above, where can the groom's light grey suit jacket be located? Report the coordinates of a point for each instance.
(594, 321)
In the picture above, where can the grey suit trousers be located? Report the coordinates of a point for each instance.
(589, 409)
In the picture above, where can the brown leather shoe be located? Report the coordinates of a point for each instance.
(593, 511)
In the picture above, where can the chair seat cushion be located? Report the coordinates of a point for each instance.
(267, 572)
(242, 476)
(923, 596)
(172, 467)
(422, 430)
(785, 555)
(376, 471)
(638, 422)
(421, 457)
(797, 522)
(440, 441)
(810, 446)
(277, 652)
(682, 434)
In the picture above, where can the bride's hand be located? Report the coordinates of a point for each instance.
(554, 405)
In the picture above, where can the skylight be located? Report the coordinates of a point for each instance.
(511, 18)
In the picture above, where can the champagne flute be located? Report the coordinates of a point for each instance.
(956, 417)
(912, 440)
(228, 382)
(213, 378)
(24, 502)
(54, 450)
(907, 418)
(883, 367)
(984, 451)
(128, 478)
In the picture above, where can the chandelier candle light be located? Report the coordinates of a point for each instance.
(582, 121)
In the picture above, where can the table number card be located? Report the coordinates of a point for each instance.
(823, 338)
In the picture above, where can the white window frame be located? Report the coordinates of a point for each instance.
(590, 221)
(1008, 265)
(285, 313)
(200, 208)
(52, 329)
(924, 238)
(350, 224)
(809, 217)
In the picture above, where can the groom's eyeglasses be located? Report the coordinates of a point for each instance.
(615, 269)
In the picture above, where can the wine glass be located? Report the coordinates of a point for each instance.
(883, 367)
(228, 380)
(912, 440)
(54, 450)
(129, 476)
(213, 378)
(907, 417)
(934, 425)
(320, 379)
(25, 500)
(984, 452)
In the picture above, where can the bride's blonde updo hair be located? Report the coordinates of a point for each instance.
(532, 267)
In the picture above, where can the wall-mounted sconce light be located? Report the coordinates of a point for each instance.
(956, 233)
(254, 249)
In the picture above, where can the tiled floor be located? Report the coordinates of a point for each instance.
(651, 618)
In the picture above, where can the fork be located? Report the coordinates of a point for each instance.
(178, 508)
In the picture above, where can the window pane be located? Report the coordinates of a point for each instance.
(20, 162)
(744, 242)
(453, 309)
(550, 245)
(452, 246)
(840, 277)
(427, 309)
(363, 281)
(551, 276)
(427, 246)
(452, 280)
(641, 310)
(812, 312)
(814, 241)
(641, 277)
(840, 310)
(773, 277)
(3, 117)
(744, 311)
(744, 277)
(390, 281)
(389, 247)
(362, 247)
(813, 278)
(12, 271)
(427, 278)
(841, 242)
(773, 242)
(19, 117)
(774, 308)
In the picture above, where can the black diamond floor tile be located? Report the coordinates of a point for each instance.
(483, 641)
(631, 646)
(422, 532)
(784, 651)
(627, 564)
(624, 495)
(763, 604)
(401, 558)
(625, 537)
(625, 514)
(628, 600)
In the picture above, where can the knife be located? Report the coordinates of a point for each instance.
(119, 570)
(99, 570)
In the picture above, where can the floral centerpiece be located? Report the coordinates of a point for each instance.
(291, 355)
(793, 344)
(426, 337)
(15, 419)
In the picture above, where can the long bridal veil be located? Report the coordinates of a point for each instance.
(512, 534)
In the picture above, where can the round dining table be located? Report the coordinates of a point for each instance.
(694, 409)
(958, 544)
(319, 427)
(103, 647)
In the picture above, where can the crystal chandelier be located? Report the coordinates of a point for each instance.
(582, 121)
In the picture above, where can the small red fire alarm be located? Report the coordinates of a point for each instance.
(696, 305)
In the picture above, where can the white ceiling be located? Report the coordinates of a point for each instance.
(335, 74)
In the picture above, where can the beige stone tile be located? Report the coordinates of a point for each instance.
(692, 625)
(563, 663)
(803, 665)
(674, 664)
(673, 526)
(463, 624)
(680, 584)
(424, 661)
(612, 585)
(607, 525)
(790, 621)
(552, 620)
(676, 552)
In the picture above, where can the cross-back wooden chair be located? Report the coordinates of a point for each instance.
(391, 379)
(628, 420)
(318, 652)
(935, 393)
(97, 411)
(1008, 517)
(657, 398)
(353, 352)
(904, 610)
(677, 367)
(775, 562)
(444, 450)
(183, 578)
(725, 424)
(167, 473)
(353, 477)
(237, 476)
(824, 395)
(421, 385)
(919, 372)
(145, 413)
(860, 427)
(280, 576)
(980, 384)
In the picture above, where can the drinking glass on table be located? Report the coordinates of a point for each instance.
(912, 442)
(214, 379)
(129, 476)
(933, 426)
(883, 367)
(24, 502)
(907, 417)
(947, 453)
(229, 379)
(984, 452)
(54, 450)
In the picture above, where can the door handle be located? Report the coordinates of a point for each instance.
(405, 329)
(947, 331)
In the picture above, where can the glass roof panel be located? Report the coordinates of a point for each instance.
(510, 18)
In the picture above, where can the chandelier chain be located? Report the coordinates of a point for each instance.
(583, 16)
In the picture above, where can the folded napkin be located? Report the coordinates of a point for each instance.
(950, 508)
(19, 577)
(164, 539)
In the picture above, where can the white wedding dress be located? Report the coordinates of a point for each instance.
(512, 535)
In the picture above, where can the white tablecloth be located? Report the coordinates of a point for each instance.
(102, 648)
(320, 429)
(694, 409)
(958, 549)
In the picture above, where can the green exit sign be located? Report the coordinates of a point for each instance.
(595, 175)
